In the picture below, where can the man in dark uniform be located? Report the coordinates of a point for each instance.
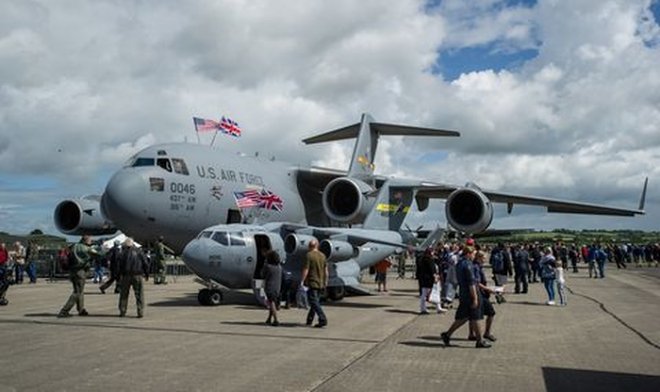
(534, 260)
(520, 267)
(132, 266)
(315, 277)
(83, 255)
(469, 307)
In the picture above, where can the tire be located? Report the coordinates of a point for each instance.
(336, 293)
(204, 297)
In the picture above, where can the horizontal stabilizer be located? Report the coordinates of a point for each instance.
(352, 131)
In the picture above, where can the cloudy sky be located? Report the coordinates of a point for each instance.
(552, 98)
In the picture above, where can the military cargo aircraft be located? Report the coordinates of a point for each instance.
(176, 190)
(232, 256)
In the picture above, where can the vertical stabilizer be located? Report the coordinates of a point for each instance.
(362, 162)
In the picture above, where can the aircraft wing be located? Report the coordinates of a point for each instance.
(552, 205)
(356, 237)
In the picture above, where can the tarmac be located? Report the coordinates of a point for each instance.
(606, 339)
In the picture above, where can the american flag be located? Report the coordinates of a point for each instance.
(204, 125)
(246, 199)
(230, 127)
(260, 199)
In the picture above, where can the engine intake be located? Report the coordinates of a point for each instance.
(469, 210)
(337, 250)
(297, 244)
(82, 216)
(345, 200)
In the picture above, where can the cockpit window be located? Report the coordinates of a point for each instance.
(143, 162)
(165, 164)
(179, 166)
(236, 239)
(205, 234)
(220, 237)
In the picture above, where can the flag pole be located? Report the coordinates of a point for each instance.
(214, 135)
(196, 131)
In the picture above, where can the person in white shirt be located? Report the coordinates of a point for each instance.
(561, 284)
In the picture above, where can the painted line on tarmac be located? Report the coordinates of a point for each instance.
(364, 354)
(617, 318)
(190, 331)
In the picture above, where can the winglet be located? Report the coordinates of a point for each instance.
(642, 200)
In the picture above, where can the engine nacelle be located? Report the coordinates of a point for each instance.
(469, 210)
(82, 216)
(337, 250)
(297, 244)
(345, 200)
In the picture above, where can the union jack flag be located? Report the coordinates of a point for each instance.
(271, 201)
(230, 127)
(260, 199)
(204, 125)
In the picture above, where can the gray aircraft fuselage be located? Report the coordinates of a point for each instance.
(176, 190)
(230, 254)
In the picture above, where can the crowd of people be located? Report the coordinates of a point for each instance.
(448, 271)
(445, 272)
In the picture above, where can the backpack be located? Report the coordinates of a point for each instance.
(70, 261)
(497, 260)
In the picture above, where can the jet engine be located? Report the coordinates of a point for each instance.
(346, 200)
(297, 244)
(469, 210)
(337, 250)
(82, 216)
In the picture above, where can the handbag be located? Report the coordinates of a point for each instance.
(435, 293)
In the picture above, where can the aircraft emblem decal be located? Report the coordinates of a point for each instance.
(364, 161)
(216, 191)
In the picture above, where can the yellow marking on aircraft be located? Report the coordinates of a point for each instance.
(383, 207)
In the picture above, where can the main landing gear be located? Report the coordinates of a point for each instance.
(336, 293)
(210, 297)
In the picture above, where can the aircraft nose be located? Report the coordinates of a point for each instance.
(124, 198)
(195, 255)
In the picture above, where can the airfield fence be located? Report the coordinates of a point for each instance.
(47, 267)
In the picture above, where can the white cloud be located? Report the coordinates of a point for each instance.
(80, 94)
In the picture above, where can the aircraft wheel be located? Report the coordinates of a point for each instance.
(336, 293)
(204, 297)
(215, 297)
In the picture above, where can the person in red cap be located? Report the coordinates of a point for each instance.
(469, 242)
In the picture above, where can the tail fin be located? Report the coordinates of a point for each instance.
(367, 133)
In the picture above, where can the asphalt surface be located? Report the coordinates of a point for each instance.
(606, 339)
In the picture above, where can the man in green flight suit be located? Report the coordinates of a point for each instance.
(161, 248)
(83, 254)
